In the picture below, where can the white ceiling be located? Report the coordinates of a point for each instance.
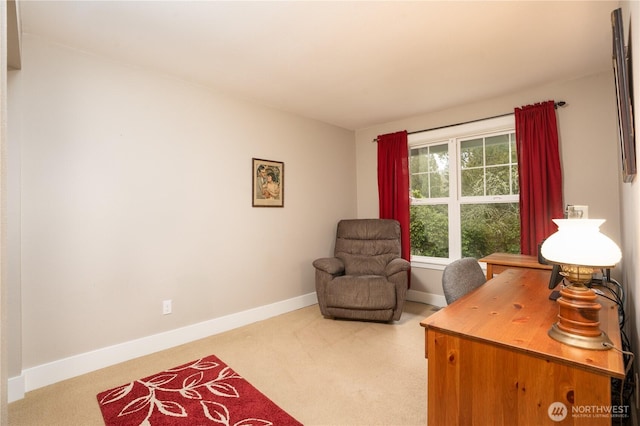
(351, 64)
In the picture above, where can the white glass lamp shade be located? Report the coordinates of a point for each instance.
(579, 242)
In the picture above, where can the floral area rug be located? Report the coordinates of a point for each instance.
(202, 392)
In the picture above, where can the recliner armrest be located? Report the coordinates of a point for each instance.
(330, 265)
(397, 265)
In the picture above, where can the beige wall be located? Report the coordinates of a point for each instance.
(588, 144)
(11, 254)
(4, 352)
(136, 188)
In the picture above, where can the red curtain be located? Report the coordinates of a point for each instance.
(540, 176)
(393, 183)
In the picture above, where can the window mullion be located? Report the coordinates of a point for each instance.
(455, 191)
(484, 166)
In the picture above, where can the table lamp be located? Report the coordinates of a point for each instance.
(580, 248)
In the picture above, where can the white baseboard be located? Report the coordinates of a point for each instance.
(56, 371)
(15, 388)
(67, 368)
(428, 298)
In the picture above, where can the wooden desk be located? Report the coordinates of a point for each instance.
(490, 360)
(498, 262)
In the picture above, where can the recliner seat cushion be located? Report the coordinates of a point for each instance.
(361, 292)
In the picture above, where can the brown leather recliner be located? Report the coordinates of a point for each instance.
(367, 279)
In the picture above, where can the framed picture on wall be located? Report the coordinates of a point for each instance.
(268, 183)
(622, 70)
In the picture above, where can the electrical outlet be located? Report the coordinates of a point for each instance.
(166, 307)
(577, 212)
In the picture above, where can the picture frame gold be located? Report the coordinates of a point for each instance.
(267, 183)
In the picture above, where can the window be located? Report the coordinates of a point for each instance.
(464, 191)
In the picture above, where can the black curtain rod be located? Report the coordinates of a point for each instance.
(555, 105)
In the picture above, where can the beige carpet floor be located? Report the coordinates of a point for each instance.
(322, 372)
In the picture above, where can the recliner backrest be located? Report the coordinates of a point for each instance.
(366, 246)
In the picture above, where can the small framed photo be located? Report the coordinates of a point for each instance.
(268, 183)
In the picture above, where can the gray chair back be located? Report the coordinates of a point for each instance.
(460, 277)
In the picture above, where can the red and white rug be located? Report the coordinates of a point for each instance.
(202, 392)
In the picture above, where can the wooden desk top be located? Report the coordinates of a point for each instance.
(518, 260)
(513, 310)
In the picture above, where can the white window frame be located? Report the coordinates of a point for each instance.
(452, 135)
